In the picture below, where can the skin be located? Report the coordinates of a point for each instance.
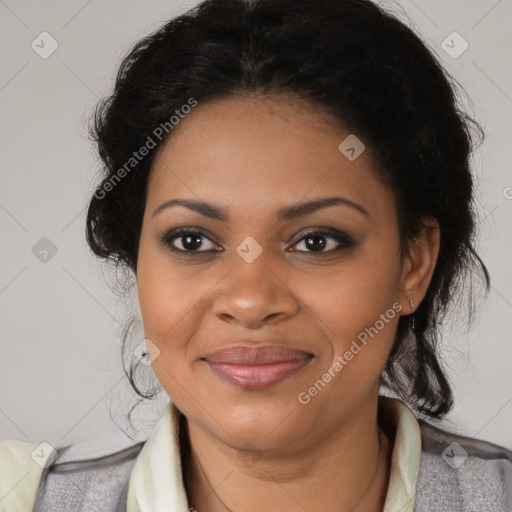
(264, 450)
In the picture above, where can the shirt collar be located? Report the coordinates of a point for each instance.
(405, 459)
(156, 482)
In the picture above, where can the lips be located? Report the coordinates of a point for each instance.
(257, 367)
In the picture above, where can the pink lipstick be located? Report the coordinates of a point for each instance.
(257, 367)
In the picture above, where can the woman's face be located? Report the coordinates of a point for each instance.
(254, 277)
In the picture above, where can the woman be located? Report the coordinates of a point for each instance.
(289, 183)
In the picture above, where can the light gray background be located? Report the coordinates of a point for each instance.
(60, 365)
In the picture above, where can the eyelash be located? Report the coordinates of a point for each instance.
(344, 240)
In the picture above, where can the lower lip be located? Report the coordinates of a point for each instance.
(257, 376)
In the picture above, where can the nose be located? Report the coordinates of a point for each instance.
(254, 294)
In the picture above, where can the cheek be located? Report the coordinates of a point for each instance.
(356, 301)
(175, 303)
(163, 299)
(171, 305)
(166, 292)
(171, 308)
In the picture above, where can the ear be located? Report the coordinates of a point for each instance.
(419, 264)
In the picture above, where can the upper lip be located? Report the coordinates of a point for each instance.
(256, 354)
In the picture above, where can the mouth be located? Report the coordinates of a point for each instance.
(257, 367)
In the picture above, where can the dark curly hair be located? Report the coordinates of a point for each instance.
(351, 58)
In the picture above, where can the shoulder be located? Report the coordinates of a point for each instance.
(70, 475)
(88, 476)
(21, 466)
(462, 473)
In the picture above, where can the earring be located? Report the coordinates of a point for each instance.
(411, 303)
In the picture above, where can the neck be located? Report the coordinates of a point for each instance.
(346, 471)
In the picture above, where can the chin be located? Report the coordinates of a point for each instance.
(266, 424)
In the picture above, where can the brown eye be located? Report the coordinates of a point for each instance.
(190, 241)
(324, 241)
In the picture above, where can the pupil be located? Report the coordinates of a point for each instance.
(312, 244)
(192, 242)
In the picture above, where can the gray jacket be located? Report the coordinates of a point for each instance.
(456, 474)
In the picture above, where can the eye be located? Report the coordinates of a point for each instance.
(188, 241)
(323, 241)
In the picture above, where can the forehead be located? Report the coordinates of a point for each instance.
(260, 151)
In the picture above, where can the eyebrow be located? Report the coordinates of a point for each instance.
(285, 213)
